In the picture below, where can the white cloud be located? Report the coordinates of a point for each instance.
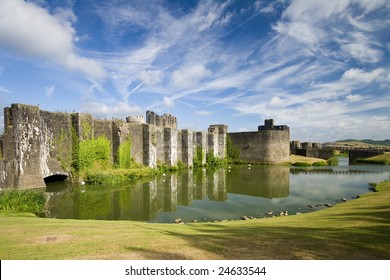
(359, 76)
(5, 90)
(310, 27)
(168, 102)
(362, 52)
(119, 108)
(188, 76)
(49, 91)
(203, 113)
(354, 97)
(209, 13)
(151, 77)
(30, 30)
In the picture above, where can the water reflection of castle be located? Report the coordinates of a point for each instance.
(142, 201)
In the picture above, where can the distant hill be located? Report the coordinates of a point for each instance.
(385, 142)
(359, 144)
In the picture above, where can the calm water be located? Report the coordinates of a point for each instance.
(219, 195)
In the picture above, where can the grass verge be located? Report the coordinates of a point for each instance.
(383, 159)
(357, 229)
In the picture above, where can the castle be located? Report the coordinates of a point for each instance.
(38, 145)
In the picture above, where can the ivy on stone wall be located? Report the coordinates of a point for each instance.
(212, 161)
(198, 157)
(62, 145)
(124, 154)
(94, 151)
(233, 153)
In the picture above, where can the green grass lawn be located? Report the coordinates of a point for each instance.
(357, 229)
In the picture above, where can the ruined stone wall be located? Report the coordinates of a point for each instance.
(267, 146)
(220, 131)
(36, 144)
(187, 146)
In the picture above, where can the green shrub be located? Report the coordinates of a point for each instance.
(23, 201)
(113, 176)
(302, 164)
(94, 150)
(212, 161)
(232, 151)
(333, 161)
(124, 154)
(320, 163)
(198, 157)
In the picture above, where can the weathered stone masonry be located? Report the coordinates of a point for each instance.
(269, 145)
(38, 145)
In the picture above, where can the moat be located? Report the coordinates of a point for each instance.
(224, 194)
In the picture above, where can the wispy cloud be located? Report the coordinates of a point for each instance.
(316, 65)
(49, 91)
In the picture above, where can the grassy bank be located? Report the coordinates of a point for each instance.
(383, 159)
(305, 161)
(357, 229)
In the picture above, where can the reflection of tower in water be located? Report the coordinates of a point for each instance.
(260, 181)
(216, 182)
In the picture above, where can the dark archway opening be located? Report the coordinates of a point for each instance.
(56, 178)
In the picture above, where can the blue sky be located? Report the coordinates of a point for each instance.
(320, 67)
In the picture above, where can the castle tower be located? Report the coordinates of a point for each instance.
(220, 132)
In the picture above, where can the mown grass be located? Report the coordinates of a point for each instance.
(306, 161)
(357, 229)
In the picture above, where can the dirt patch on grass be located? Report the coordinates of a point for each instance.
(50, 239)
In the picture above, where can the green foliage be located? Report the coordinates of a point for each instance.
(302, 164)
(124, 154)
(75, 150)
(113, 176)
(333, 161)
(86, 131)
(161, 168)
(198, 157)
(94, 151)
(233, 153)
(320, 163)
(213, 161)
(63, 146)
(370, 161)
(23, 201)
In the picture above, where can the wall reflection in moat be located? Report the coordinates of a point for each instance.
(142, 200)
(225, 193)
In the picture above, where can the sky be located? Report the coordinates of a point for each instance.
(320, 67)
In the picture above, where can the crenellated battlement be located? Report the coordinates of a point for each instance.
(269, 125)
(135, 119)
(166, 120)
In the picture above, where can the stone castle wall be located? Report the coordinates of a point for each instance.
(38, 144)
(269, 145)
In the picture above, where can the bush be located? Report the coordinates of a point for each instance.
(320, 163)
(198, 157)
(232, 151)
(94, 150)
(113, 176)
(124, 154)
(23, 201)
(333, 161)
(302, 164)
